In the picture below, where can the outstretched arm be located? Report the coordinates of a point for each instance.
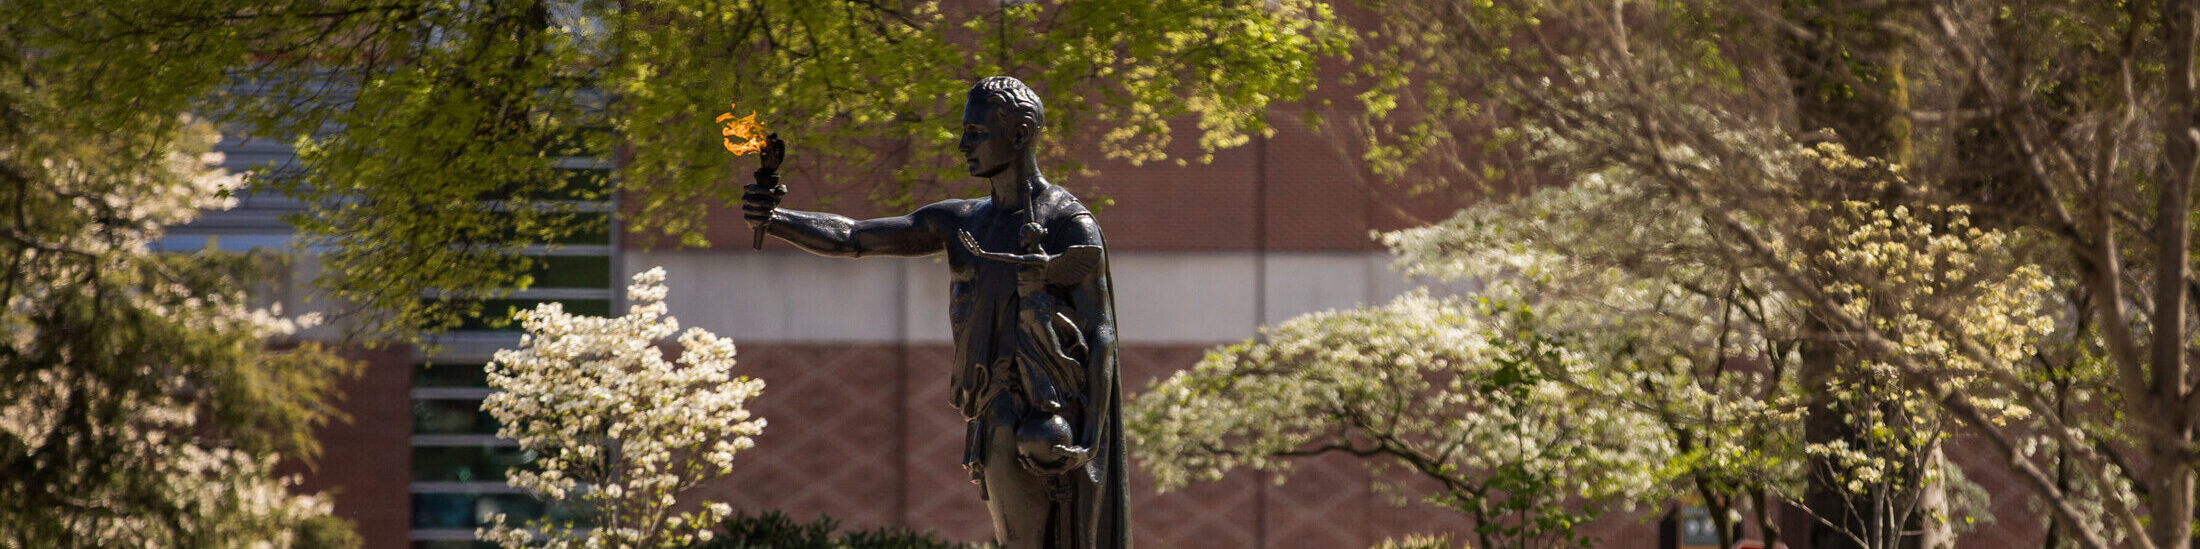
(919, 233)
(833, 235)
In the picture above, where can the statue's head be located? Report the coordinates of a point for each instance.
(1001, 125)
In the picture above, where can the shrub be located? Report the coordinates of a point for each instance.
(773, 530)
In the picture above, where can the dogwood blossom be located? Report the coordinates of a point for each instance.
(1463, 391)
(621, 434)
(140, 404)
(1671, 334)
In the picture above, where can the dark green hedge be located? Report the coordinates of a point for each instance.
(772, 530)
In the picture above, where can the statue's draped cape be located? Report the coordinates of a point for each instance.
(984, 315)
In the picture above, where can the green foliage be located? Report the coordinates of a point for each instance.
(1948, 216)
(434, 134)
(877, 89)
(141, 402)
(773, 530)
(1470, 394)
(327, 531)
(1417, 541)
(1636, 264)
(454, 104)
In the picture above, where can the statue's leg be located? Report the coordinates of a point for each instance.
(1016, 498)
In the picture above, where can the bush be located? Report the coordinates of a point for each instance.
(773, 530)
(1417, 541)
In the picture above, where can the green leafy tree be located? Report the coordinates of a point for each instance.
(1885, 169)
(140, 402)
(1636, 280)
(436, 138)
(1467, 393)
(443, 164)
(1708, 352)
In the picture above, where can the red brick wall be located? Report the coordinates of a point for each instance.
(863, 433)
(367, 461)
(2013, 508)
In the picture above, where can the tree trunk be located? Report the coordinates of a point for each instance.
(1849, 78)
(2169, 496)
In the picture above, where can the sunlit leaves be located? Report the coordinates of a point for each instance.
(140, 403)
(436, 107)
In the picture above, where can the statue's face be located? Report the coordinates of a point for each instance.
(988, 143)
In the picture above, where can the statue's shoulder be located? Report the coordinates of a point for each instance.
(1070, 223)
(1059, 205)
(960, 206)
(950, 212)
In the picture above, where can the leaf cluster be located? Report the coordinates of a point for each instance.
(774, 530)
(141, 400)
(1966, 207)
(1468, 394)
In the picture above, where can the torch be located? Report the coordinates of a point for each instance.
(768, 177)
(752, 139)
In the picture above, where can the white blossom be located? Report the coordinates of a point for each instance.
(1665, 355)
(168, 477)
(1455, 388)
(619, 431)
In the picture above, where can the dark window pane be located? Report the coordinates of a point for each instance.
(465, 463)
(467, 511)
(471, 510)
(579, 228)
(584, 141)
(496, 313)
(585, 184)
(449, 374)
(576, 185)
(451, 417)
(543, 227)
(567, 271)
(588, 228)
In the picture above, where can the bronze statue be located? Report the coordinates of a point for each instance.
(1034, 324)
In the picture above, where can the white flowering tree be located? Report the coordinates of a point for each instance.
(620, 433)
(1465, 392)
(1715, 342)
(1969, 218)
(1639, 290)
(140, 402)
(1664, 365)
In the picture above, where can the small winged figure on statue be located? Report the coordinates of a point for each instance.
(1046, 353)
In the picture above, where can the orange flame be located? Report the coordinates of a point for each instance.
(745, 128)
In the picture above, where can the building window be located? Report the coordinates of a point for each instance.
(458, 463)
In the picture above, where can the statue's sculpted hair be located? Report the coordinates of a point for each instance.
(1014, 99)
